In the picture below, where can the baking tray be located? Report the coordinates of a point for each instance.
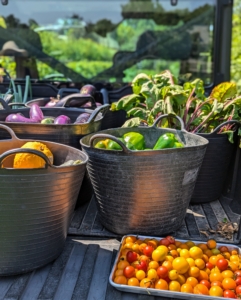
(156, 292)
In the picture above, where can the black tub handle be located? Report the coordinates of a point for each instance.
(25, 150)
(223, 124)
(172, 116)
(17, 104)
(101, 109)
(78, 97)
(4, 104)
(10, 131)
(111, 137)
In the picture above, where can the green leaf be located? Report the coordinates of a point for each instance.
(138, 112)
(128, 102)
(224, 91)
(134, 122)
(159, 107)
(138, 81)
(165, 78)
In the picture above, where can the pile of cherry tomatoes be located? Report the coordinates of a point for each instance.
(177, 266)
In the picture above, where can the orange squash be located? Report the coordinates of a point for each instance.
(28, 160)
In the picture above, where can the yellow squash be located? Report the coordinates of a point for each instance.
(28, 160)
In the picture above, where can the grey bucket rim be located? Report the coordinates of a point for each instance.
(15, 138)
(139, 152)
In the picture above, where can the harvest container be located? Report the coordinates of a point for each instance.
(156, 292)
(36, 205)
(144, 192)
(215, 170)
(68, 134)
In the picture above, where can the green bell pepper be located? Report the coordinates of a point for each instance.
(108, 145)
(134, 141)
(167, 140)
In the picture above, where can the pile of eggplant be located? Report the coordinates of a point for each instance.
(36, 116)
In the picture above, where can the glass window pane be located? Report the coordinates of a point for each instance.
(107, 41)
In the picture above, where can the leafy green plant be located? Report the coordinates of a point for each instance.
(161, 94)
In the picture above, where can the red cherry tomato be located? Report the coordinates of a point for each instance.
(229, 294)
(237, 273)
(222, 264)
(131, 256)
(148, 250)
(170, 239)
(238, 290)
(162, 272)
(164, 242)
(142, 265)
(209, 265)
(206, 283)
(238, 281)
(129, 272)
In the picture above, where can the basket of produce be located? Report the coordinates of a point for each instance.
(39, 185)
(177, 269)
(143, 177)
(215, 117)
(60, 125)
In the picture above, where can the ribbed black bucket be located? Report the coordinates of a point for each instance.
(214, 171)
(143, 192)
(36, 205)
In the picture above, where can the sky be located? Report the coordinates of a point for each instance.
(46, 12)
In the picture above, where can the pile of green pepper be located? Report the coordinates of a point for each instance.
(136, 141)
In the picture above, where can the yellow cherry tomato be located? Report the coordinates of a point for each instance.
(180, 264)
(196, 252)
(174, 286)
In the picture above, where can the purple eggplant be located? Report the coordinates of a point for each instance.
(35, 113)
(19, 118)
(62, 119)
(82, 118)
(88, 89)
(89, 104)
(52, 103)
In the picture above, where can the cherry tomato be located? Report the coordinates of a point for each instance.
(170, 239)
(222, 264)
(148, 250)
(131, 256)
(161, 284)
(229, 284)
(238, 290)
(162, 272)
(229, 294)
(164, 242)
(129, 272)
(237, 273)
(206, 283)
(209, 266)
(142, 265)
(216, 291)
(238, 281)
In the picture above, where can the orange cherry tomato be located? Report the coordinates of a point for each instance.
(174, 286)
(121, 279)
(133, 281)
(187, 288)
(229, 284)
(211, 244)
(161, 284)
(200, 289)
(216, 291)
(192, 280)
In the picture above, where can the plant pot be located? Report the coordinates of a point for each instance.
(214, 173)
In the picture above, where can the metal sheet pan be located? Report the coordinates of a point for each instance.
(156, 292)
